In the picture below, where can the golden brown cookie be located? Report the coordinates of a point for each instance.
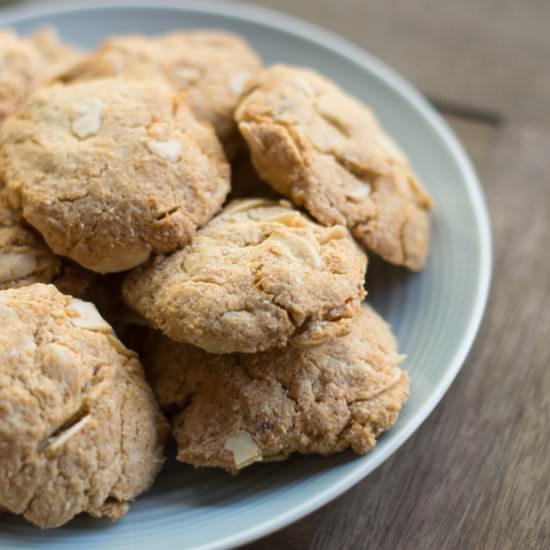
(259, 275)
(24, 257)
(28, 62)
(80, 430)
(233, 410)
(210, 66)
(109, 171)
(325, 151)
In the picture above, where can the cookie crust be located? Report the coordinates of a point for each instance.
(230, 411)
(24, 257)
(211, 67)
(109, 171)
(326, 151)
(259, 275)
(79, 426)
(28, 62)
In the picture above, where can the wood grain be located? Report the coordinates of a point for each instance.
(484, 53)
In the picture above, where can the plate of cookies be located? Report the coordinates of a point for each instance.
(241, 261)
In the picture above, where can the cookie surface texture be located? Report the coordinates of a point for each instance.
(24, 257)
(211, 67)
(233, 410)
(259, 275)
(26, 63)
(326, 151)
(79, 426)
(109, 171)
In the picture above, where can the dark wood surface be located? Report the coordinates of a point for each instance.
(476, 475)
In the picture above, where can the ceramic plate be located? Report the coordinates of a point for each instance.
(435, 314)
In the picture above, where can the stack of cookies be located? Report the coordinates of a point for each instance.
(246, 312)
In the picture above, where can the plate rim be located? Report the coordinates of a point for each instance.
(408, 93)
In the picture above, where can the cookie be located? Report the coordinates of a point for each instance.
(210, 66)
(230, 411)
(259, 275)
(326, 151)
(29, 62)
(109, 171)
(55, 55)
(24, 257)
(79, 426)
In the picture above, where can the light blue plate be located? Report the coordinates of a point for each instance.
(435, 314)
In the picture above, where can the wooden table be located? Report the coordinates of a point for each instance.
(476, 475)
